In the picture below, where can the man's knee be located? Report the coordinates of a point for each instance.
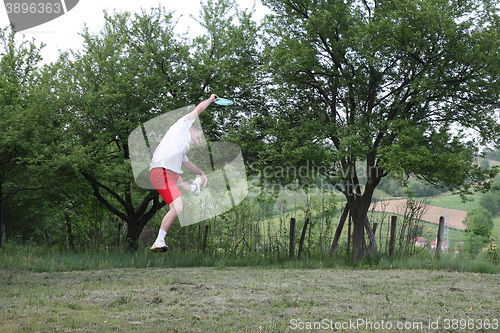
(177, 205)
(182, 185)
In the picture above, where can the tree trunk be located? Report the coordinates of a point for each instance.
(359, 246)
(71, 237)
(370, 232)
(358, 237)
(338, 232)
(349, 236)
(205, 237)
(133, 233)
(3, 237)
(135, 216)
(49, 241)
(291, 251)
(360, 205)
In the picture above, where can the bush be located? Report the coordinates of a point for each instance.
(493, 253)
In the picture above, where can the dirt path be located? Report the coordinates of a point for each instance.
(432, 214)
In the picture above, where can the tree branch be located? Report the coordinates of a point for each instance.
(96, 185)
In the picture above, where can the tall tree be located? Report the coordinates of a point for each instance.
(127, 74)
(405, 87)
(134, 70)
(19, 74)
(227, 60)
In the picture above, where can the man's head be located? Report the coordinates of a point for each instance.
(195, 134)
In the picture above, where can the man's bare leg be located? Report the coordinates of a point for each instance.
(169, 218)
(182, 185)
(175, 207)
(174, 211)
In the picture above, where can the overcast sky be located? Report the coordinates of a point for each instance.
(62, 32)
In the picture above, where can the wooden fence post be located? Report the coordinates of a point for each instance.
(291, 250)
(439, 236)
(392, 241)
(303, 238)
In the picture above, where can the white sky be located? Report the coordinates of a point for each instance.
(62, 33)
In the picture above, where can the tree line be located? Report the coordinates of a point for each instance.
(394, 86)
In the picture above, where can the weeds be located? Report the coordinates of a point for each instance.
(39, 259)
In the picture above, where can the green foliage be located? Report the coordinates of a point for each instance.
(493, 154)
(493, 253)
(485, 164)
(134, 69)
(382, 85)
(351, 91)
(418, 189)
(479, 222)
(491, 200)
(19, 121)
(68, 122)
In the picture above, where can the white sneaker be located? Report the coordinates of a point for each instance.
(197, 183)
(159, 246)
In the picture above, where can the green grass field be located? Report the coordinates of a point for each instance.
(455, 202)
(46, 291)
(244, 299)
(496, 229)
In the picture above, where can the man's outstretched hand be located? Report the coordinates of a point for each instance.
(202, 106)
(213, 97)
(204, 180)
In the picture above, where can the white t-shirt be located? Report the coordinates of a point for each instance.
(172, 150)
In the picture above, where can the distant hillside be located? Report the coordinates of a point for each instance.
(432, 213)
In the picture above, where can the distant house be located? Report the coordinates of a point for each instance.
(420, 241)
(444, 245)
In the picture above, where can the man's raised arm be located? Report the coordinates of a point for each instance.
(202, 106)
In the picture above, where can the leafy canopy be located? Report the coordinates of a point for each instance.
(409, 87)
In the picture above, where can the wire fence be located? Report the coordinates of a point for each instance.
(263, 227)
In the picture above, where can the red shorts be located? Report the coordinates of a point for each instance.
(165, 182)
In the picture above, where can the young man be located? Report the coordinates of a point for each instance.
(165, 169)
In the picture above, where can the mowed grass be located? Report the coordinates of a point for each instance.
(243, 299)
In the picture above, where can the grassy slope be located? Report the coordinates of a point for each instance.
(496, 229)
(454, 202)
